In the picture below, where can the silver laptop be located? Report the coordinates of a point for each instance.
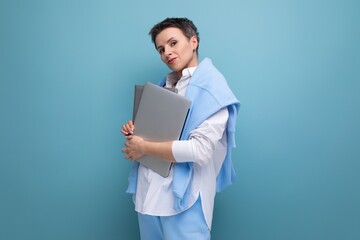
(159, 116)
(137, 97)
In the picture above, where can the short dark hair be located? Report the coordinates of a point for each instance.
(185, 25)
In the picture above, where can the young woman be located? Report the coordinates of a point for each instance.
(180, 206)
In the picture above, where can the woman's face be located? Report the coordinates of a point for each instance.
(176, 50)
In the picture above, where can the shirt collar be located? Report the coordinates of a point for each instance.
(186, 73)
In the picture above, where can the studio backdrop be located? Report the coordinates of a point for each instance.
(67, 71)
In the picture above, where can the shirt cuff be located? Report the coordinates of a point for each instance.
(182, 151)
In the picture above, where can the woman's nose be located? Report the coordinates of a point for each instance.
(167, 51)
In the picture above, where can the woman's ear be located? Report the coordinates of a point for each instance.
(194, 42)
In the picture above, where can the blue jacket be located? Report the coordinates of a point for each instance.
(208, 92)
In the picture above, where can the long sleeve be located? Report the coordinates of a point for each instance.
(201, 145)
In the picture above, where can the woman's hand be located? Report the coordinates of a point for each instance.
(134, 147)
(128, 128)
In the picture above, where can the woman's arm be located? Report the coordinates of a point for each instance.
(203, 141)
(199, 148)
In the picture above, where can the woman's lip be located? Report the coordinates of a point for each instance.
(171, 60)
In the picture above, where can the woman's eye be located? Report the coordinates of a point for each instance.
(161, 50)
(173, 43)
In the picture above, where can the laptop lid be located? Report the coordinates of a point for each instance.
(160, 116)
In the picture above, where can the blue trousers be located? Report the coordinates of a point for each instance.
(188, 225)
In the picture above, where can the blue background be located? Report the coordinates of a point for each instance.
(67, 70)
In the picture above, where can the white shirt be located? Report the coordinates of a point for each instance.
(206, 147)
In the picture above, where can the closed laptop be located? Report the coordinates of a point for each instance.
(159, 116)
